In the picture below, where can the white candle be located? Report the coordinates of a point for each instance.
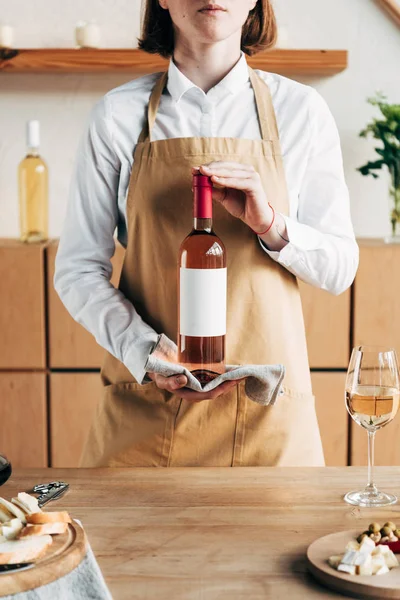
(283, 37)
(87, 35)
(6, 36)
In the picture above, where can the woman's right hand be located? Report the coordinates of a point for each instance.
(178, 382)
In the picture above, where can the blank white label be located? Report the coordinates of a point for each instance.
(203, 302)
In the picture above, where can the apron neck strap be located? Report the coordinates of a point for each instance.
(265, 108)
(152, 108)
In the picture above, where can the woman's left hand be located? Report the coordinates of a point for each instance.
(240, 191)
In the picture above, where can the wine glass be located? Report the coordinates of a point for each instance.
(372, 400)
(5, 469)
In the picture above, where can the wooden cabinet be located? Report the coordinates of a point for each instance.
(327, 322)
(73, 399)
(332, 416)
(387, 446)
(376, 295)
(70, 345)
(22, 311)
(23, 418)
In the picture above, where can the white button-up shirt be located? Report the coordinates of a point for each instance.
(322, 249)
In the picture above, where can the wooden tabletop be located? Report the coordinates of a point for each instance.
(207, 534)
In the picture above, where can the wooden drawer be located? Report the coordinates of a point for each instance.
(70, 345)
(23, 419)
(332, 416)
(377, 292)
(22, 308)
(327, 322)
(73, 399)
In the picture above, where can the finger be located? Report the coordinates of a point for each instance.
(170, 384)
(216, 164)
(194, 396)
(227, 172)
(245, 185)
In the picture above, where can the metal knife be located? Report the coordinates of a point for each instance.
(15, 567)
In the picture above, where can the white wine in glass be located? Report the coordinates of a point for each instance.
(372, 400)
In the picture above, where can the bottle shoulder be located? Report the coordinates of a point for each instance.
(33, 162)
(202, 250)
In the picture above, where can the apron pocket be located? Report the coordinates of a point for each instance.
(285, 434)
(133, 426)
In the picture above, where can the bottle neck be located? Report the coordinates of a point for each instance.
(202, 208)
(32, 151)
(202, 224)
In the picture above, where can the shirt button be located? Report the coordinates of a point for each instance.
(206, 108)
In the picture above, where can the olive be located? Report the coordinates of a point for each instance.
(391, 525)
(374, 528)
(386, 531)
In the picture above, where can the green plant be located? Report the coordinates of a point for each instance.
(386, 130)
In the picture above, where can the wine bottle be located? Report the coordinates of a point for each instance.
(33, 189)
(202, 284)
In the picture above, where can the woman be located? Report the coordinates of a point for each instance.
(282, 209)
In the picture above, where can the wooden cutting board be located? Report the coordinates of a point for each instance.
(64, 554)
(360, 586)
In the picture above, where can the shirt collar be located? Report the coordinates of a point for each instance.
(178, 84)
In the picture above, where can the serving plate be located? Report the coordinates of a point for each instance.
(359, 586)
(64, 554)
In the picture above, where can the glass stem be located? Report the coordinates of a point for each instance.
(371, 487)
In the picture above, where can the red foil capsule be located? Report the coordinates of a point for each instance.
(202, 189)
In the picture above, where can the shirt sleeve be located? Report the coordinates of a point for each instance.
(83, 267)
(322, 249)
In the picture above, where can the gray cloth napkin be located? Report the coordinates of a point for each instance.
(263, 382)
(85, 582)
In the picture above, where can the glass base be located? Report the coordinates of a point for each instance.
(392, 239)
(370, 499)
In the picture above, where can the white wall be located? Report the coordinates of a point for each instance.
(62, 102)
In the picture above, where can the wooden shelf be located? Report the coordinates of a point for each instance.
(71, 60)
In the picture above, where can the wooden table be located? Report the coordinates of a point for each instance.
(207, 534)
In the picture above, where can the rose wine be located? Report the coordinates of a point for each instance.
(33, 189)
(372, 407)
(202, 283)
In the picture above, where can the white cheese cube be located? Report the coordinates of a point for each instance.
(382, 570)
(391, 560)
(334, 561)
(352, 545)
(365, 567)
(350, 569)
(381, 549)
(367, 545)
(350, 557)
(378, 561)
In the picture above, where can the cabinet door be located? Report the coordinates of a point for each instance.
(22, 308)
(332, 416)
(327, 322)
(70, 345)
(376, 300)
(23, 419)
(73, 399)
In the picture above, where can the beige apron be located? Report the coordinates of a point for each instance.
(139, 425)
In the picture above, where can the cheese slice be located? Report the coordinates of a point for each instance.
(30, 549)
(15, 510)
(27, 502)
(11, 529)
